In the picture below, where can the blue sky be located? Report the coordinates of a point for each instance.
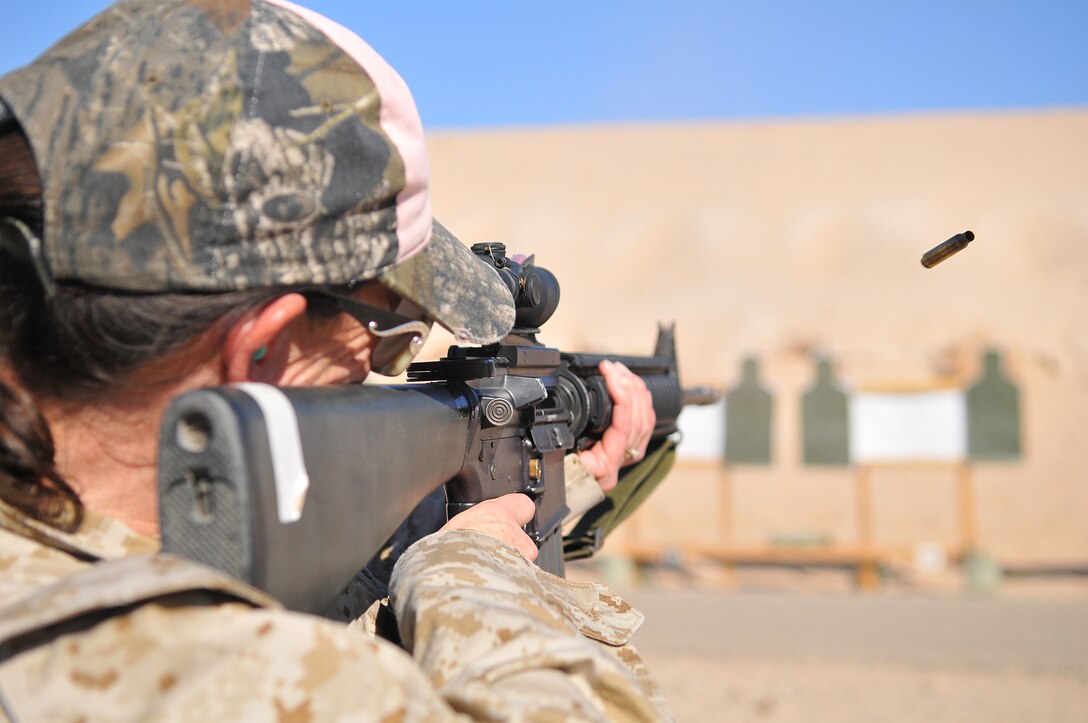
(477, 63)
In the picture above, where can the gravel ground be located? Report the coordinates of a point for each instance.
(726, 688)
(781, 651)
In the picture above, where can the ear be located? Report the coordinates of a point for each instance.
(265, 329)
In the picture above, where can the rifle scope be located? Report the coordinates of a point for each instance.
(534, 288)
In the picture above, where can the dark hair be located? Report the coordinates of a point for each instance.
(77, 345)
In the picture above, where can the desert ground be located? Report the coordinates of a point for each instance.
(802, 645)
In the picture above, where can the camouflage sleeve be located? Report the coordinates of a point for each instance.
(494, 633)
(583, 490)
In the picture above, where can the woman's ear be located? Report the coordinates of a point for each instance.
(257, 345)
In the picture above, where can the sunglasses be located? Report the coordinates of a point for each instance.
(401, 333)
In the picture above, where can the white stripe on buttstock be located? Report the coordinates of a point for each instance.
(292, 481)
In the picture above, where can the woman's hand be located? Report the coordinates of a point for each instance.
(502, 518)
(633, 420)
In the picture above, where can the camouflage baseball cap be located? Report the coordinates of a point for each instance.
(215, 145)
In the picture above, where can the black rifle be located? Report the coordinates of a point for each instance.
(235, 461)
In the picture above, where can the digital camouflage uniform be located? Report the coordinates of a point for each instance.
(95, 627)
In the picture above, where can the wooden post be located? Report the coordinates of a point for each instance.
(725, 507)
(868, 577)
(967, 509)
(865, 508)
(725, 524)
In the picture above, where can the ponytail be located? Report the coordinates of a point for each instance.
(28, 477)
(29, 480)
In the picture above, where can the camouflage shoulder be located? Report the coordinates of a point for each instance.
(112, 585)
(185, 662)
